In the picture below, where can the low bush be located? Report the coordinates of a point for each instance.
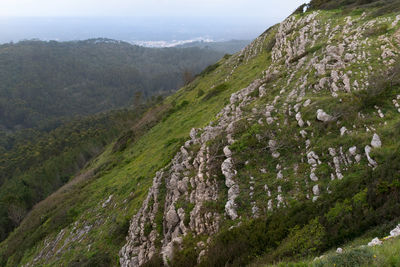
(376, 30)
(302, 242)
(96, 260)
(215, 91)
(381, 88)
(209, 69)
(186, 254)
(352, 258)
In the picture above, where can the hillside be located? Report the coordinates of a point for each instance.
(44, 82)
(51, 98)
(279, 153)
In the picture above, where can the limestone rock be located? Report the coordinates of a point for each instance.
(300, 121)
(395, 232)
(376, 141)
(316, 190)
(375, 242)
(323, 116)
(368, 150)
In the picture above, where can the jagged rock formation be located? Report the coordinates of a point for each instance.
(296, 72)
(203, 187)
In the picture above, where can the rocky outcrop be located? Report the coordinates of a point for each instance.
(192, 175)
(143, 235)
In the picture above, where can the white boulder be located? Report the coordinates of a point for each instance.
(376, 141)
(375, 242)
(323, 116)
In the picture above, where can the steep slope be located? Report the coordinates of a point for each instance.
(119, 174)
(41, 162)
(295, 135)
(281, 151)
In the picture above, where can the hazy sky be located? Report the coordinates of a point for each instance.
(224, 8)
(140, 20)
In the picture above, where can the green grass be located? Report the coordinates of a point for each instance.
(356, 255)
(127, 175)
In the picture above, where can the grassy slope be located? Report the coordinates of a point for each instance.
(355, 253)
(127, 175)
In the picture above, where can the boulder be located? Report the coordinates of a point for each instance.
(375, 242)
(376, 141)
(323, 116)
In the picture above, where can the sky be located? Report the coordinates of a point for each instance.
(136, 21)
(202, 8)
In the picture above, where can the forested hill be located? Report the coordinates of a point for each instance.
(44, 81)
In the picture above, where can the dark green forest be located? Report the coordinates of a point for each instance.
(42, 82)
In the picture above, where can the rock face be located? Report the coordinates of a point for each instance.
(191, 178)
(141, 245)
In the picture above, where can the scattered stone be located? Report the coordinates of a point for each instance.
(105, 203)
(343, 130)
(368, 150)
(307, 103)
(375, 242)
(227, 152)
(395, 232)
(353, 150)
(323, 116)
(316, 190)
(376, 141)
(300, 121)
(313, 177)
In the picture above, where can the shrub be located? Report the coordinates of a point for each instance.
(352, 258)
(381, 87)
(209, 69)
(377, 30)
(340, 209)
(200, 93)
(304, 241)
(155, 261)
(215, 91)
(97, 260)
(186, 254)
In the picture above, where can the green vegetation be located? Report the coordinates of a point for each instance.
(362, 204)
(125, 172)
(215, 91)
(382, 6)
(49, 91)
(43, 82)
(356, 255)
(35, 168)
